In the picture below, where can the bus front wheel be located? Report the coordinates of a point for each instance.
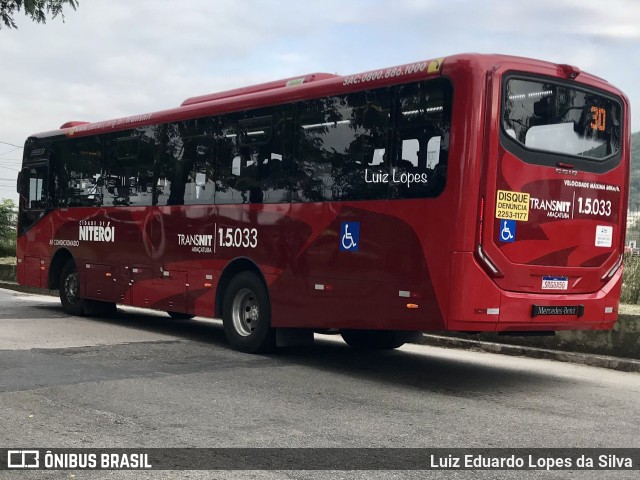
(246, 314)
(70, 290)
(373, 339)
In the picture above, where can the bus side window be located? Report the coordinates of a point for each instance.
(186, 164)
(341, 151)
(199, 185)
(34, 197)
(229, 165)
(421, 137)
(361, 171)
(77, 165)
(257, 169)
(37, 199)
(311, 171)
(170, 185)
(128, 173)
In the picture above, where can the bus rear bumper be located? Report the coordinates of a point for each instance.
(480, 305)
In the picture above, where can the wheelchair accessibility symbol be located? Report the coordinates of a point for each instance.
(507, 231)
(349, 236)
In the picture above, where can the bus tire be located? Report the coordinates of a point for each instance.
(246, 314)
(69, 291)
(180, 315)
(373, 339)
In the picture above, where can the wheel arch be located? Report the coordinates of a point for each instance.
(59, 260)
(233, 268)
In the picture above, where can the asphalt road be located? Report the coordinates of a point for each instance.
(144, 380)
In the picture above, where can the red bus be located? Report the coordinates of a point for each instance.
(468, 193)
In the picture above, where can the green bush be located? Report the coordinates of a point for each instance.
(7, 228)
(631, 280)
(7, 249)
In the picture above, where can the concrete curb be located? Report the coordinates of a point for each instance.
(592, 360)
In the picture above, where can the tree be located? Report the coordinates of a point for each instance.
(7, 228)
(7, 220)
(37, 10)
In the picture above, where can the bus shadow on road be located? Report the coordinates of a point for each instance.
(448, 371)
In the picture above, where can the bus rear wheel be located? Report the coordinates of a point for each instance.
(70, 290)
(246, 314)
(373, 339)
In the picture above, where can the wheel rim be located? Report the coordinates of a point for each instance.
(72, 287)
(245, 312)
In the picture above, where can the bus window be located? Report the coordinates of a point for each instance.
(77, 172)
(199, 153)
(187, 165)
(422, 127)
(552, 118)
(256, 170)
(312, 176)
(228, 162)
(37, 198)
(34, 196)
(127, 177)
(341, 149)
(169, 149)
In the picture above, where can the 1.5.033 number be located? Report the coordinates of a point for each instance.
(238, 237)
(590, 206)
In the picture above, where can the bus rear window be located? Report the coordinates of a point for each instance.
(557, 119)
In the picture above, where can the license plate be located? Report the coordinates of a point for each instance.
(573, 310)
(555, 283)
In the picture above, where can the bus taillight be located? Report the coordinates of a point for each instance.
(613, 269)
(480, 221)
(485, 261)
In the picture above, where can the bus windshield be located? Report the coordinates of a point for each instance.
(553, 118)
